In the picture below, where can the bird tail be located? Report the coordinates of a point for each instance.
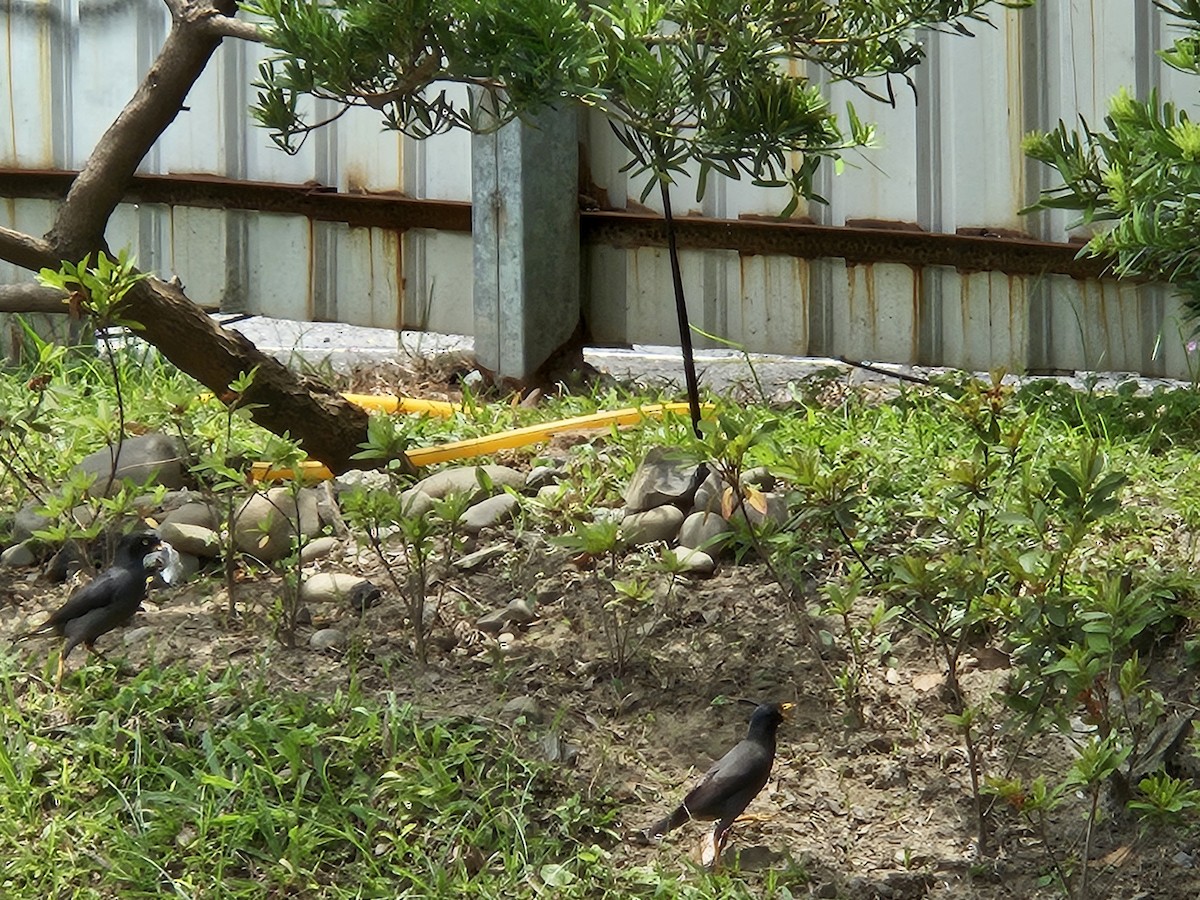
(40, 631)
(670, 823)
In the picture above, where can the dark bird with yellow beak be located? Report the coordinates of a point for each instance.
(733, 781)
(107, 601)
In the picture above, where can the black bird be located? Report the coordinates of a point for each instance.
(733, 781)
(107, 601)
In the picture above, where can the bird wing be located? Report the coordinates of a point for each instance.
(100, 591)
(746, 766)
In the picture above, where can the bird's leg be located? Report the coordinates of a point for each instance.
(91, 648)
(713, 844)
(62, 658)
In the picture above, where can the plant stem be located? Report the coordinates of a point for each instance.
(1087, 843)
(976, 795)
(681, 313)
(115, 456)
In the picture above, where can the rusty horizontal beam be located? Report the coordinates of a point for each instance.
(968, 253)
(392, 210)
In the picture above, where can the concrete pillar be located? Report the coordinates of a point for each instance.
(525, 224)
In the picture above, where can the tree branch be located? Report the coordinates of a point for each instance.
(224, 26)
(327, 426)
(95, 193)
(26, 251)
(31, 298)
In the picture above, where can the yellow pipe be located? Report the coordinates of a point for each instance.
(390, 404)
(481, 446)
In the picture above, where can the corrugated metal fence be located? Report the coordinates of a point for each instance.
(951, 163)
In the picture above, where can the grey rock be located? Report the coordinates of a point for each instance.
(759, 477)
(664, 477)
(319, 548)
(661, 524)
(777, 511)
(548, 590)
(193, 513)
(609, 514)
(369, 479)
(327, 639)
(263, 527)
(520, 611)
(705, 531)
(416, 503)
(68, 561)
(493, 622)
(465, 480)
(709, 494)
(27, 521)
(137, 635)
(194, 539)
(755, 859)
(543, 476)
(522, 706)
(517, 612)
(325, 587)
(363, 596)
(479, 558)
(693, 562)
(556, 750)
(490, 512)
(172, 500)
(19, 555)
(148, 458)
(84, 516)
(328, 511)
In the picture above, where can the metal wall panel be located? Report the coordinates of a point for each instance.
(950, 161)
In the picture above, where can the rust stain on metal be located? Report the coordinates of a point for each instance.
(967, 253)
(622, 229)
(318, 202)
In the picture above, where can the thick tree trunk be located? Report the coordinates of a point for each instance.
(327, 426)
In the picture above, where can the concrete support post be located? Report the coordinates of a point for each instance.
(525, 223)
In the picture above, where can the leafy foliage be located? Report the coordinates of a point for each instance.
(722, 84)
(1139, 175)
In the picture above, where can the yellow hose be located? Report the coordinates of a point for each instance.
(390, 404)
(480, 446)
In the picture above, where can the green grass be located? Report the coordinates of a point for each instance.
(209, 785)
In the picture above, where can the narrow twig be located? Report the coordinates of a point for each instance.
(1087, 844)
(901, 376)
(849, 543)
(1048, 847)
(114, 456)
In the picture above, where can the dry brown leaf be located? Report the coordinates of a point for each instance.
(1118, 857)
(727, 503)
(927, 681)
